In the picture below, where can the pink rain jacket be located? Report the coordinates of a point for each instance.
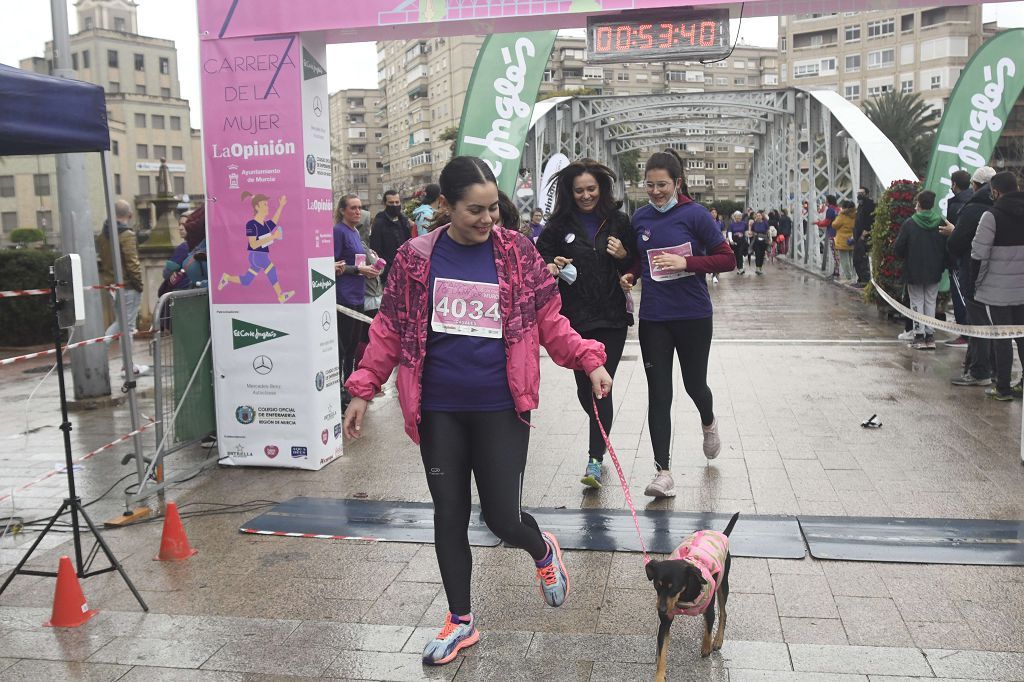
(706, 551)
(529, 302)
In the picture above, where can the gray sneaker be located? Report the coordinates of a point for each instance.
(968, 380)
(712, 443)
(662, 485)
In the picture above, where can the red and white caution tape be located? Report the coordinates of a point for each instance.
(53, 351)
(309, 535)
(81, 459)
(39, 292)
(998, 331)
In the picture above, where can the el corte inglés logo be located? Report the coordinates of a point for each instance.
(248, 334)
(321, 284)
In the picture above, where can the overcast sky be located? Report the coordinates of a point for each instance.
(27, 27)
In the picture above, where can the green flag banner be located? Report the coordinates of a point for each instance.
(985, 93)
(500, 99)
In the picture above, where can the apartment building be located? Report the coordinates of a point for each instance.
(356, 138)
(149, 121)
(864, 54)
(424, 82)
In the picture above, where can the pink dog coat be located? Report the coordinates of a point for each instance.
(705, 550)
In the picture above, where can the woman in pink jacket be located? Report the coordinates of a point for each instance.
(465, 311)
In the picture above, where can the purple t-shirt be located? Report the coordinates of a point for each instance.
(464, 373)
(685, 298)
(254, 228)
(738, 227)
(591, 223)
(760, 227)
(535, 230)
(349, 289)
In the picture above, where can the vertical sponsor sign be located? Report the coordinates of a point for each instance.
(499, 102)
(977, 111)
(548, 187)
(269, 215)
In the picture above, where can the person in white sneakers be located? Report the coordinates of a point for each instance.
(678, 244)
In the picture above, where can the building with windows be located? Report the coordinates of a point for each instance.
(863, 54)
(149, 121)
(423, 85)
(356, 135)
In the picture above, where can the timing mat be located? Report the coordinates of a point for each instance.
(603, 530)
(915, 541)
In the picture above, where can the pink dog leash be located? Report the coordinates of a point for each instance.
(622, 480)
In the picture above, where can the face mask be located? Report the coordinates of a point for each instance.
(668, 204)
(568, 273)
(393, 211)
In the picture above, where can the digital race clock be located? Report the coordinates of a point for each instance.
(669, 35)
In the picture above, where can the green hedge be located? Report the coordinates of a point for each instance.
(27, 320)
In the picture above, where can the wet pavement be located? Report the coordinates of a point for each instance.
(797, 365)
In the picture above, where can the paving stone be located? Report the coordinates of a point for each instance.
(387, 667)
(976, 664)
(806, 566)
(783, 676)
(182, 627)
(611, 648)
(53, 644)
(752, 617)
(813, 631)
(750, 575)
(273, 659)
(476, 669)
(144, 674)
(34, 670)
(923, 600)
(873, 621)
(928, 635)
(357, 637)
(755, 655)
(156, 652)
(803, 596)
(644, 672)
(859, 659)
(6, 663)
(853, 579)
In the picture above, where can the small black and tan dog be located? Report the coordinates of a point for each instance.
(687, 584)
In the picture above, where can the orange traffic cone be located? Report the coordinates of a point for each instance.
(174, 544)
(69, 606)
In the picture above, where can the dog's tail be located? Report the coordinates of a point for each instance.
(732, 522)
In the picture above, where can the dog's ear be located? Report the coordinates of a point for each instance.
(650, 567)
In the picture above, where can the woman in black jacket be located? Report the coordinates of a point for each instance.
(588, 244)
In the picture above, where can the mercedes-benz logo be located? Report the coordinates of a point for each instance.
(318, 106)
(262, 365)
(325, 321)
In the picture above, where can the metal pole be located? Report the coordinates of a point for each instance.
(90, 370)
(127, 364)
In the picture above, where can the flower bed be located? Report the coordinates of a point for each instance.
(895, 206)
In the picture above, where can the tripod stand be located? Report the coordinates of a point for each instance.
(72, 503)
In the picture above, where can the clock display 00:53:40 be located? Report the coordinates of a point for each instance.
(627, 37)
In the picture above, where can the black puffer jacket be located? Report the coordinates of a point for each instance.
(595, 300)
(959, 243)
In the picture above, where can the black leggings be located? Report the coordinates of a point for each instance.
(491, 445)
(760, 247)
(739, 249)
(691, 341)
(349, 331)
(614, 341)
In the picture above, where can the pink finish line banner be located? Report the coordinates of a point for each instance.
(365, 20)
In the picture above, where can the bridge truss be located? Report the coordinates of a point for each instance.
(805, 145)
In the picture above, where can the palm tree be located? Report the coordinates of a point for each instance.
(908, 122)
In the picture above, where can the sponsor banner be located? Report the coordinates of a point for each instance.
(316, 133)
(273, 322)
(977, 111)
(264, 216)
(400, 19)
(499, 102)
(546, 199)
(276, 396)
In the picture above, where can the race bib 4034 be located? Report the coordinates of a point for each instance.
(466, 308)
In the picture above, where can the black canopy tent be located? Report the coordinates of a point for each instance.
(42, 114)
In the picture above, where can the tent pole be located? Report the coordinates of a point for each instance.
(127, 363)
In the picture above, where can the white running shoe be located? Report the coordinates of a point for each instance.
(662, 485)
(907, 335)
(712, 442)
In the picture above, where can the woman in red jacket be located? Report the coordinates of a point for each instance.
(465, 311)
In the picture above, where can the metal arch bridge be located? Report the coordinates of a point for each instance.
(807, 144)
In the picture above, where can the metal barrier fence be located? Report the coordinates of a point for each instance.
(182, 385)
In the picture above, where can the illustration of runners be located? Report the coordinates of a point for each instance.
(260, 232)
